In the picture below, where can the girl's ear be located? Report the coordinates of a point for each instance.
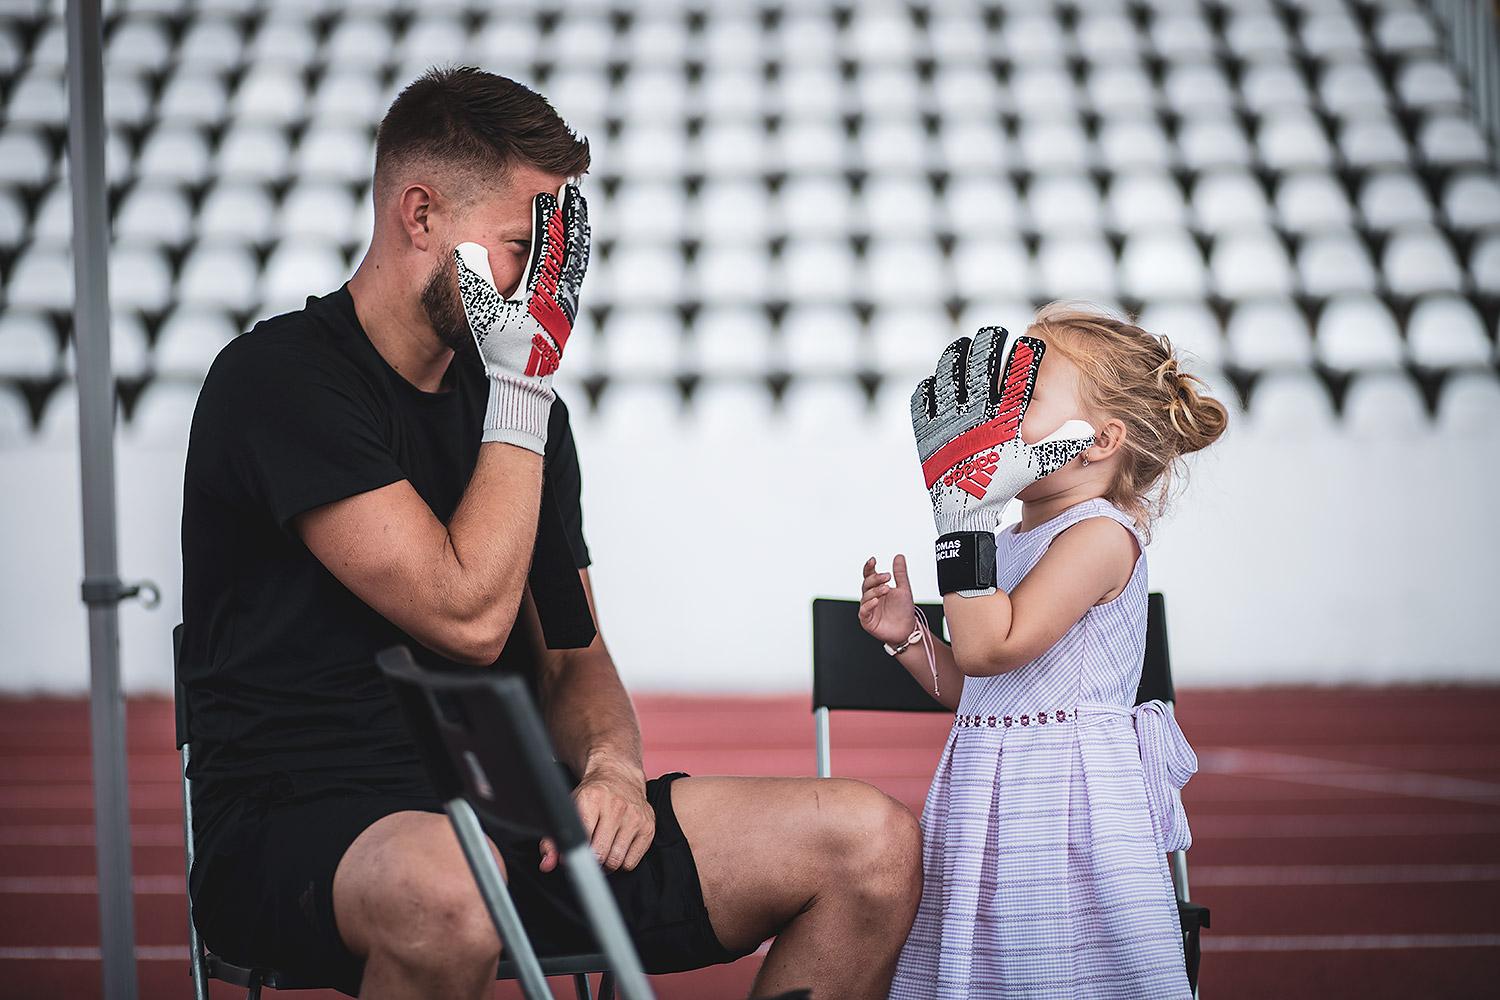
(1109, 437)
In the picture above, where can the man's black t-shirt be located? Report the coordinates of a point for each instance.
(278, 656)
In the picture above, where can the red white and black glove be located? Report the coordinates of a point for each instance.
(967, 420)
(521, 339)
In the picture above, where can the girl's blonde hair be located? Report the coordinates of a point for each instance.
(1132, 375)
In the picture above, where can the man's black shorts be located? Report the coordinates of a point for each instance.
(264, 894)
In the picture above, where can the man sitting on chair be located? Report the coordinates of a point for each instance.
(361, 473)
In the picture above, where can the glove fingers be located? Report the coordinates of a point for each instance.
(984, 364)
(950, 386)
(1019, 381)
(923, 404)
(577, 236)
(543, 210)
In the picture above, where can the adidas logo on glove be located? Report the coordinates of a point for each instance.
(974, 476)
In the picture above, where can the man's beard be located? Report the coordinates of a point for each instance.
(445, 310)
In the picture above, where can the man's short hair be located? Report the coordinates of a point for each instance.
(475, 126)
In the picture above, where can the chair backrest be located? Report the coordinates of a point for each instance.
(1156, 669)
(481, 738)
(852, 671)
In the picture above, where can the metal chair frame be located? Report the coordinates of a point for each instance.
(204, 966)
(852, 672)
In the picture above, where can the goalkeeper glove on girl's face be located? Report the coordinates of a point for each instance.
(521, 338)
(967, 420)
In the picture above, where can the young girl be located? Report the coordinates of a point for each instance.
(1048, 822)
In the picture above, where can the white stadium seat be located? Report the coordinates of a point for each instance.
(1472, 201)
(981, 206)
(28, 345)
(734, 210)
(1352, 89)
(211, 42)
(819, 271)
(177, 153)
(810, 146)
(298, 269)
(38, 98)
(340, 153)
(905, 270)
(285, 41)
(140, 277)
(189, 340)
(1075, 267)
(1250, 263)
(735, 273)
(253, 152)
(892, 147)
(15, 418)
(1331, 33)
(1229, 200)
(317, 209)
(13, 220)
(350, 94)
(1373, 142)
(1120, 89)
(1420, 260)
(138, 43)
(25, 156)
(1182, 34)
(817, 408)
(647, 211)
(1484, 265)
(237, 211)
(1384, 406)
(221, 276)
(1358, 333)
(646, 273)
(1429, 85)
(1062, 203)
(1197, 89)
(1255, 35)
(728, 411)
(1334, 262)
(1043, 89)
(1268, 334)
(1289, 141)
(163, 415)
(822, 341)
(1134, 143)
(272, 94)
(986, 268)
(905, 343)
(1106, 36)
(641, 342)
(1394, 198)
(1012, 314)
(1192, 329)
(1405, 30)
(53, 222)
(1055, 144)
(359, 41)
(734, 342)
(1312, 201)
(1470, 404)
(41, 278)
(1445, 331)
(1162, 264)
(155, 214)
(898, 206)
(194, 96)
(1452, 141)
(730, 148)
(1271, 88)
(1146, 200)
(1290, 404)
(129, 353)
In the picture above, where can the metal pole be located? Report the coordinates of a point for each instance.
(96, 409)
(604, 919)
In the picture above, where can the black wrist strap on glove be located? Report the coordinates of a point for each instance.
(966, 562)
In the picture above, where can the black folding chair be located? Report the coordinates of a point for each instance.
(852, 672)
(204, 965)
(492, 764)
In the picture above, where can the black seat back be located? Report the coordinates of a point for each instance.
(179, 693)
(1156, 670)
(481, 738)
(852, 671)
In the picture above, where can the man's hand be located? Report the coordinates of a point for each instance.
(620, 823)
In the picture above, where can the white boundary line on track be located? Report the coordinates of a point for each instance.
(1345, 942)
(1331, 773)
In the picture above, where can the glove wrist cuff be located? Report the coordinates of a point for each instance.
(518, 412)
(966, 563)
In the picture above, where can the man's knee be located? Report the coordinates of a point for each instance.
(417, 905)
(877, 844)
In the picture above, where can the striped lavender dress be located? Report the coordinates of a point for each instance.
(1046, 829)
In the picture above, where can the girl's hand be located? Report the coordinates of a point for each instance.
(887, 612)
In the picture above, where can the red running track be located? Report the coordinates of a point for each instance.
(1348, 841)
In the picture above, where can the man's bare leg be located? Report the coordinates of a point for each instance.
(832, 867)
(405, 901)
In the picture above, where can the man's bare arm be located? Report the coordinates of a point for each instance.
(455, 589)
(595, 732)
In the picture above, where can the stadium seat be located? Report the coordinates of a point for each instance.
(1290, 404)
(1394, 198)
(28, 345)
(736, 273)
(1312, 201)
(37, 98)
(1107, 36)
(237, 211)
(1405, 30)
(1291, 141)
(1075, 267)
(296, 270)
(819, 271)
(822, 341)
(1194, 89)
(732, 148)
(1470, 404)
(337, 153)
(985, 268)
(348, 94)
(1420, 259)
(734, 210)
(888, 91)
(1162, 264)
(1452, 141)
(317, 209)
(284, 40)
(1471, 201)
(15, 418)
(734, 342)
(211, 42)
(652, 210)
(1194, 332)
(732, 93)
(13, 220)
(809, 146)
(1373, 142)
(223, 276)
(58, 426)
(981, 206)
(155, 214)
(189, 340)
(641, 343)
(1272, 87)
(809, 92)
(905, 270)
(1131, 143)
(1358, 333)
(630, 409)
(1331, 34)
(815, 409)
(138, 43)
(176, 153)
(1043, 88)
(1445, 331)
(1054, 144)
(140, 277)
(957, 36)
(1034, 37)
(357, 40)
(163, 415)
(1120, 90)
(1268, 335)
(651, 151)
(53, 221)
(272, 94)
(1484, 265)
(897, 206)
(1429, 85)
(194, 96)
(1250, 263)
(1352, 89)
(129, 353)
(253, 152)
(645, 273)
(1182, 34)
(1146, 200)
(1229, 200)
(1384, 406)
(1333, 262)
(905, 343)
(1064, 203)
(41, 278)
(1257, 35)
(25, 156)
(658, 37)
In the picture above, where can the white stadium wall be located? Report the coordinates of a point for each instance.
(1315, 554)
